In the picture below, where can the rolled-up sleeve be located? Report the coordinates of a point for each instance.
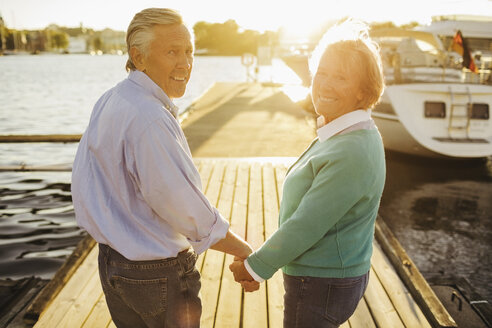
(170, 184)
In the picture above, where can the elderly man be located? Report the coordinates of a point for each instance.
(135, 188)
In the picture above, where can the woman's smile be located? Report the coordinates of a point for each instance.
(327, 99)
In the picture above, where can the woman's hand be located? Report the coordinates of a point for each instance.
(242, 275)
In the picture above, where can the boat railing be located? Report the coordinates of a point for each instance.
(398, 71)
(408, 59)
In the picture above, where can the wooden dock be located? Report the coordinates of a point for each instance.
(243, 137)
(248, 192)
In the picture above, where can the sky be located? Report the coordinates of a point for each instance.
(298, 16)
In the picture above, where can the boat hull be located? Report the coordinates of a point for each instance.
(405, 128)
(396, 137)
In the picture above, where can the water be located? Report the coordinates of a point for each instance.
(54, 94)
(37, 226)
(441, 211)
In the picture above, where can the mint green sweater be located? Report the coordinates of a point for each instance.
(330, 202)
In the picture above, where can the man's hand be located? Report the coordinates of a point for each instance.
(242, 275)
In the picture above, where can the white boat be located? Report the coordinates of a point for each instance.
(431, 106)
(434, 120)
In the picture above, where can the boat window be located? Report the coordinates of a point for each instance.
(480, 111)
(435, 109)
(425, 46)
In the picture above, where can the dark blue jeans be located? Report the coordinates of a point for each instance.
(321, 302)
(160, 293)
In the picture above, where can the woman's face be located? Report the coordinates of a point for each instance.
(336, 87)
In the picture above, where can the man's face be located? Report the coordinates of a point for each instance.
(169, 59)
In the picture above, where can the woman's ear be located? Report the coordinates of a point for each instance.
(138, 58)
(361, 98)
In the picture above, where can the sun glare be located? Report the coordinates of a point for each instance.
(298, 20)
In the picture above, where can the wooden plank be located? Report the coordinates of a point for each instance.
(51, 290)
(255, 303)
(68, 295)
(225, 207)
(346, 324)
(229, 305)
(275, 288)
(213, 260)
(41, 168)
(402, 300)
(83, 304)
(380, 305)
(238, 225)
(280, 171)
(249, 193)
(362, 318)
(40, 138)
(423, 294)
(99, 317)
(270, 200)
(17, 294)
(205, 169)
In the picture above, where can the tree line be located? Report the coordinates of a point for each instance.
(52, 38)
(227, 39)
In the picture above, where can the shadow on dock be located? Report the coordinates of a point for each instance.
(220, 121)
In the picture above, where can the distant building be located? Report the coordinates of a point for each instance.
(113, 41)
(36, 41)
(77, 45)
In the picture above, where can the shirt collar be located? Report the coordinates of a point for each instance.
(341, 123)
(146, 82)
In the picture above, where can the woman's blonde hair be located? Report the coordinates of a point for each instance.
(140, 31)
(360, 54)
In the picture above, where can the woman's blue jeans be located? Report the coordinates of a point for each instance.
(159, 293)
(321, 302)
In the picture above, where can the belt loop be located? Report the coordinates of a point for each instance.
(103, 249)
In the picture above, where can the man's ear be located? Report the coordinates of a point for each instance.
(138, 58)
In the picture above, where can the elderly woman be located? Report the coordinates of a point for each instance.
(331, 194)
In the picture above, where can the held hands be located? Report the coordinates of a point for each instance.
(242, 275)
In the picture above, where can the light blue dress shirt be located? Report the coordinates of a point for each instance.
(134, 184)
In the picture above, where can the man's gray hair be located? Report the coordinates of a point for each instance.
(140, 31)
